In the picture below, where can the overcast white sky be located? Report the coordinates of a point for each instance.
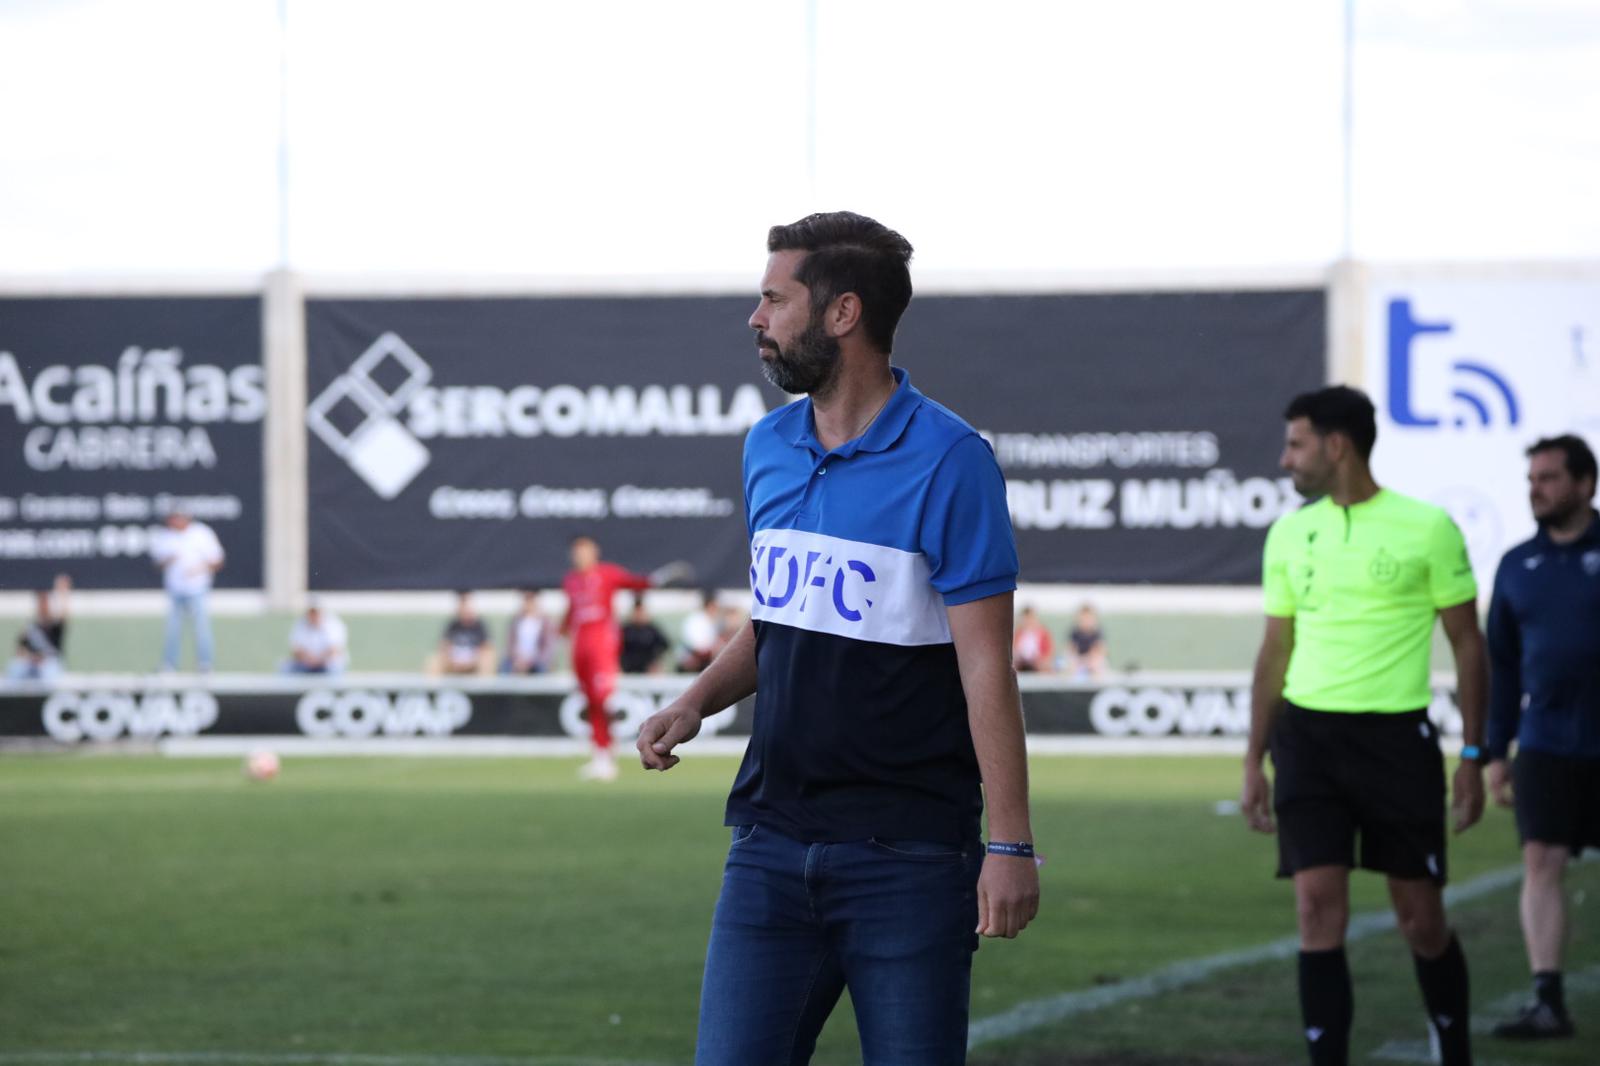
(478, 137)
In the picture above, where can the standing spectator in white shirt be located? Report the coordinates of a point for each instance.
(528, 638)
(699, 635)
(318, 643)
(189, 555)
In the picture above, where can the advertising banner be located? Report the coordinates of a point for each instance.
(464, 442)
(362, 709)
(1465, 374)
(115, 411)
(1139, 433)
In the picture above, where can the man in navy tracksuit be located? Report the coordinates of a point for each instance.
(1544, 649)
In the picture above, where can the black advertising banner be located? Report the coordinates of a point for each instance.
(115, 411)
(357, 709)
(335, 710)
(464, 442)
(1139, 433)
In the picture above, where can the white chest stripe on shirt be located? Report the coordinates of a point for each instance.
(844, 587)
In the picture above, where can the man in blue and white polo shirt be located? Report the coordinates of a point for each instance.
(887, 716)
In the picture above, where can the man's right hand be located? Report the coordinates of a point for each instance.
(665, 730)
(1500, 782)
(1255, 799)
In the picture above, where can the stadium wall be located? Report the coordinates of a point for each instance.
(1522, 319)
(236, 712)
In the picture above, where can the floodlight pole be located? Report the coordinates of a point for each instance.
(283, 134)
(811, 103)
(1347, 241)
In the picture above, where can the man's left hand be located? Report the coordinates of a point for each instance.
(1467, 796)
(1008, 895)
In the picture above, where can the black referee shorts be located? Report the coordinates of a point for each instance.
(1373, 778)
(1558, 799)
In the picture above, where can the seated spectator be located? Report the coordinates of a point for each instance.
(318, 643)
(1086, 645)
(699, 635)
(465, 647)
(529, 638)
(41, 647)
(642, 642)
(1032, 647)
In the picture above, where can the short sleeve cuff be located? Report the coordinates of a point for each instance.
(1467, 593)
(1278, 610)
(980, 590)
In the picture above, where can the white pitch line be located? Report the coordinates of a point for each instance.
(1037, 1013)
(1419, 1051)
(1580, 982)
(292, 1058)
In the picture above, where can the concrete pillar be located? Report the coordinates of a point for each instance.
(283, 323)
(1347, 305)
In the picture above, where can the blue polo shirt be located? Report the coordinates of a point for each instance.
(855, 553)
(1544, 647)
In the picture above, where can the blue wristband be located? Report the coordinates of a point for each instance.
(1471, 753)
(1018, 850)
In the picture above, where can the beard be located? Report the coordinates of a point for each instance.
(1559, 511)
(810, 365)
(1310, 486)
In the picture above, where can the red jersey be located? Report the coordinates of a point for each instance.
(590, 592)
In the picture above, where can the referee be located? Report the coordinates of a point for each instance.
(1352, 584)
(1544, 644)
(887, 718)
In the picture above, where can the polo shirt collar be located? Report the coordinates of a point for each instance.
(1589, 536)
(797, 427)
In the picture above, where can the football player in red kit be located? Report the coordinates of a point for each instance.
(596, 639)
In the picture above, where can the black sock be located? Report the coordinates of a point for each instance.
(1327, 1006)
(1445, 992)
(1547, 987)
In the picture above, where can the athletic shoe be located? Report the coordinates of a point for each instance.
(599, 768)
(1538, 1021)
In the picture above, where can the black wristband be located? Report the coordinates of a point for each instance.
(1019, 850)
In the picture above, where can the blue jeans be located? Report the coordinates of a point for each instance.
(24, 669)
(195, 607)
(798, 923)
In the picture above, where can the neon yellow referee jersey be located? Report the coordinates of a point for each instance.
(1363, 585)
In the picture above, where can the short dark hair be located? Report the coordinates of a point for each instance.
(1338, 409)
(847, 252)
(1579, 459)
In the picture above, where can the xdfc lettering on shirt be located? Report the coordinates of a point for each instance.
(847, 588)
(856, 554)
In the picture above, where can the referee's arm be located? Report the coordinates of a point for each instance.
(1472, 689)
(1266, 700)
(1008, 886)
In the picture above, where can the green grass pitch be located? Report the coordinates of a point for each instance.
(430, 909)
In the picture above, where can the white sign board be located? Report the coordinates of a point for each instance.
(1466, 373)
